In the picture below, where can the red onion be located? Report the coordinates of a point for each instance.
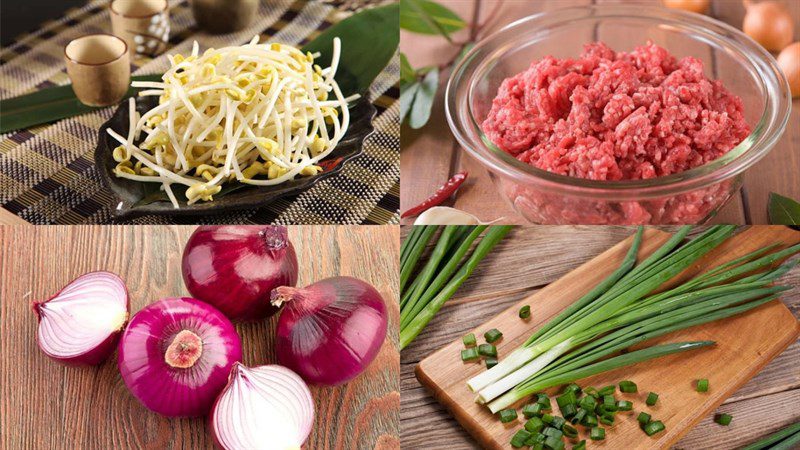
(234, 268)
(176, 354)
(81, 323)
(331, 330)
(266, 407)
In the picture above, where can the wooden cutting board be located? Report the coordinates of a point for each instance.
(745, 344)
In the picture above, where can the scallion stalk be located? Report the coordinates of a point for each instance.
(622, 311)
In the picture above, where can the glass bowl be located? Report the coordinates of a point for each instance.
(692, 196)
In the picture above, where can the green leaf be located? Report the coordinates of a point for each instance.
(428, 17)
(48, 105)
(369, 41)
(407, 73)
(407, 95)
(423, 101)
(783, 210)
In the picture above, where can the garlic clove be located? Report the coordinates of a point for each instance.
(443, 215)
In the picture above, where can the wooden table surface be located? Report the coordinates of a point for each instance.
(431, 155)
(528, 259)
(49, 406)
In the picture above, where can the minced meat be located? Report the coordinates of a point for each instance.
(615, 115)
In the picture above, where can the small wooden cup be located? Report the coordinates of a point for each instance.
(143, 24)
(99, 67)
(224, 16)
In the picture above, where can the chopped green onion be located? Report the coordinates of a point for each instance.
(548, 418)
(508, 415)
(567, 398)
(569, 431)
(591, 391)
(588, 403)
(558, 422)
(469, 340)
(574, 388)
(723, 419)
(652, 398)
(609, 403)
(534, 409)
(519, 438)
(628, 387)
(608, 390)
(491, 362)
(535, 438)
(487, 350)
(702, 385)
(528, 410)
(569, 410)
(554, 432)
(578, 417)
(469, 354)
(525, 312)
(580, 445)
(597, 434)
(643, 418)
(607, 419)
(654, 427)
(554, 443)
(534, 425)
(589, 421)
(624, 405)
(493, 335)
(544, 400)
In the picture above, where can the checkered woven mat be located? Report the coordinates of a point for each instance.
(47, 174)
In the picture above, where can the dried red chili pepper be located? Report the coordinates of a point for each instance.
(439, 196)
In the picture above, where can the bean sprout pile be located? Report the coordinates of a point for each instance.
(259, 114)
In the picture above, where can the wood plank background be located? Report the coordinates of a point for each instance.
(49, 406)
(530, 258)
(432, 155)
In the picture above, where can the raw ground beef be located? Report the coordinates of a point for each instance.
(615, 116)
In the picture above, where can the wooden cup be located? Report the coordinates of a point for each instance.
(224, 16)
(99, 67)
(143, 24)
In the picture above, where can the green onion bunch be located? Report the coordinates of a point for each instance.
(451, 262)
(626, 309)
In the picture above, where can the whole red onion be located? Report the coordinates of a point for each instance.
(331, 330)
(81, 323)
(235, 268)
(176, 354)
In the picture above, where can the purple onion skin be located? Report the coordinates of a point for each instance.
(330, 331)
(177, 392)
(234, 268)
(98, 354)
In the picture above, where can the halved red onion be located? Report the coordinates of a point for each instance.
(234, 268)
(265, 407)
(81, 323)
(329, 331)
(176, 354)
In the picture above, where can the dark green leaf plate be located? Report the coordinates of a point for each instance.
(133, 198)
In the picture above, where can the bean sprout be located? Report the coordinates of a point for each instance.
(258, 114)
